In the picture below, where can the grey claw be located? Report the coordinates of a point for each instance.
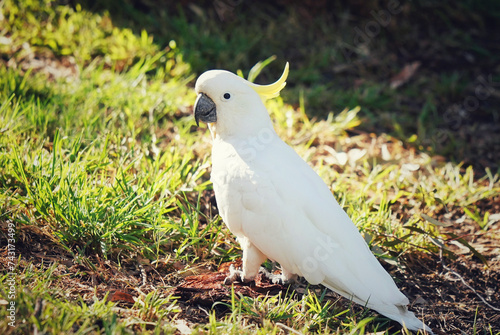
(234, 275)
(278, 280)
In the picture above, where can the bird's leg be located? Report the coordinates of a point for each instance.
(252, 259)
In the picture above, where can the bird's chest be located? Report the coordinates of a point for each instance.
(232, 170)
(237, 186)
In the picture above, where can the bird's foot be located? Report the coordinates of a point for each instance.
(279, 279)
(235, 275)
(283, 280)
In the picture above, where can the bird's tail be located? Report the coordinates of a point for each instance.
(397, 311)
(402, 315)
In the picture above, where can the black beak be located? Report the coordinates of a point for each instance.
(204, 109)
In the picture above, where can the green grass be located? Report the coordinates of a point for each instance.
(100, 157)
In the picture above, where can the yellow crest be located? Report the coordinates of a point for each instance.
(271, 90)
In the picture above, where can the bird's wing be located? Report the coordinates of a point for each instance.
(286, 210)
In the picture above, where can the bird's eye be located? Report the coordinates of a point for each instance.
(226, 96)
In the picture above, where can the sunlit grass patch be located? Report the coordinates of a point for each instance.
(46, 25)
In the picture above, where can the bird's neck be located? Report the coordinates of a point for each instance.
(253, 136)
(242, 129)
(246, 146)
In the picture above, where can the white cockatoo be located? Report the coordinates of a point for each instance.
(278, 207)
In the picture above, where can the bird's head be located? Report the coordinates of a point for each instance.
(232, 105)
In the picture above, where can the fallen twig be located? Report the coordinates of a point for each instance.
(457, 275)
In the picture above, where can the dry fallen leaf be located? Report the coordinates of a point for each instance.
(406, 73)
(207, 288)
(119, 296)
